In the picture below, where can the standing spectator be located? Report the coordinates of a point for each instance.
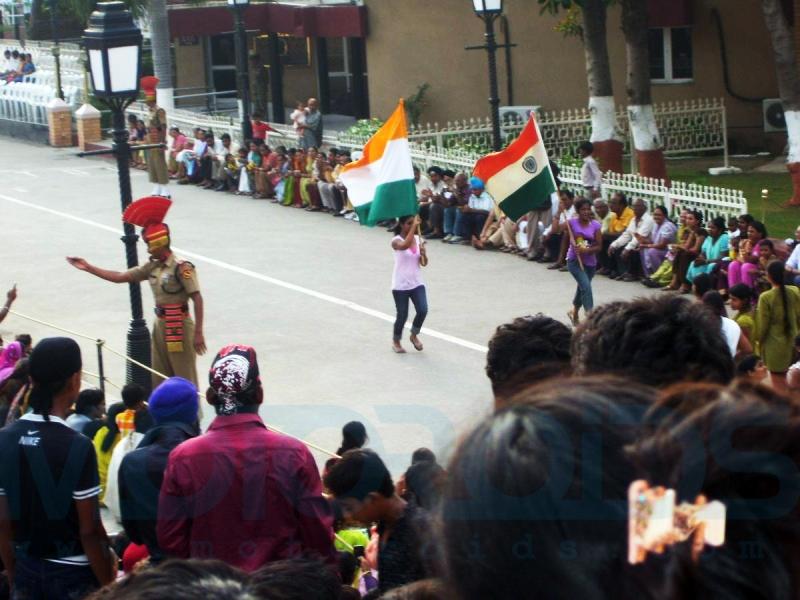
(585, 243)
(89, 407)
(52, 540)
(242, 493)
(591, 177)
(312, 130)
(363, 488)
(298, 119)
(105, 440)
(554, 240)
(260, 129)
(777, 319)
(174, 407)
(407, 284)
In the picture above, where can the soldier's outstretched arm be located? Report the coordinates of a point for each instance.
(112, 276)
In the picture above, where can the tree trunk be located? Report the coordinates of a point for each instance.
(784, 50)
(162, 56)
(646, 139)
(605, 133)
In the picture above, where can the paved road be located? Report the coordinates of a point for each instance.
(309, 292)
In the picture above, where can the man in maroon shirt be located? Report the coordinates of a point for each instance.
(241, 493)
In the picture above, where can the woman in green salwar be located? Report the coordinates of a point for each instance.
(777, 319)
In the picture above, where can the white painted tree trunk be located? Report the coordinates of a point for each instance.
(162, 56)
(793, 129)
(644, 128)
(604, 118)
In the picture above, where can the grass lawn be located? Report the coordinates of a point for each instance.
(781, 222)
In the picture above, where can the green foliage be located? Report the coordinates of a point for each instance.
(570, 25)
(416, 103)
(365, 128)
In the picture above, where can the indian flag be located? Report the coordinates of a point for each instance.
(519, 178)
(381, 184)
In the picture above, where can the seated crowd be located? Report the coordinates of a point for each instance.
(297, 177)
(535, 499)
(15, 66)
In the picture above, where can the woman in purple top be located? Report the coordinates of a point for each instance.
(585, 242)
(407, 281)
(655, 250)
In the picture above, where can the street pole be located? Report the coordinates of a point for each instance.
(494, 99)
(243, 74)
(138, 342)
(56, 48)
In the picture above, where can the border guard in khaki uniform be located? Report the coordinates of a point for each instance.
(156, 134)
(177, 339)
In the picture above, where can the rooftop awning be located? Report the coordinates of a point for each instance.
(670, 13)
(299, 21)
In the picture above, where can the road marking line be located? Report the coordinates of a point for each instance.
(265, 278)
(75, 172)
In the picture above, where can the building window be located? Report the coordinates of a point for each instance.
(671, 55)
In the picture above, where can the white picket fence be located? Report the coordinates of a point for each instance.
(686, 127)
(710, 201)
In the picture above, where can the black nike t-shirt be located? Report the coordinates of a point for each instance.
(46, 466)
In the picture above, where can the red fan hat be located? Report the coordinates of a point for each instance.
(148, 85)
(149, 213)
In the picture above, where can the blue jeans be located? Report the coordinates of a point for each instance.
(583, 295)
(420, 301)
(37, 579)
(458, 228)
(450, 215)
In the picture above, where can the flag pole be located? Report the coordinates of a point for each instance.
(423, 260)
(574, 245)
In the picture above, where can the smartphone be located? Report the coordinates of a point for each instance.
(358, 551)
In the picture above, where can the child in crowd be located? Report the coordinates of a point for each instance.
(248, 171)
(766, 254)
(298, 118)
(741, 297)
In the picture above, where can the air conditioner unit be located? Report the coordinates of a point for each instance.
(774, 119)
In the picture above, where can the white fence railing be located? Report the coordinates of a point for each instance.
(710, 201)
(687, 127)
(26, 101)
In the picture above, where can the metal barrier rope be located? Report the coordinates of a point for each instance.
(100, 342)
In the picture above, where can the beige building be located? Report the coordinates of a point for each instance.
(361, 58)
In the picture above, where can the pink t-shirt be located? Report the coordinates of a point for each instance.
(407, 274)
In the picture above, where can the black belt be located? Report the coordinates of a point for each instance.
(162, 311)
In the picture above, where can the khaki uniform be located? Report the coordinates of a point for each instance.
(156, 161)
(172, 282)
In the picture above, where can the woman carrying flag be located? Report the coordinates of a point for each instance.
(585, 241)
(409, 257)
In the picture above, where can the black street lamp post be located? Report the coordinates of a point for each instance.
(489, 11)
(114, 49)
(242, 66)
(56, 48)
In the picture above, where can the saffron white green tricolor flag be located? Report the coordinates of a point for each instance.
(519, 178)
(381, 184)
